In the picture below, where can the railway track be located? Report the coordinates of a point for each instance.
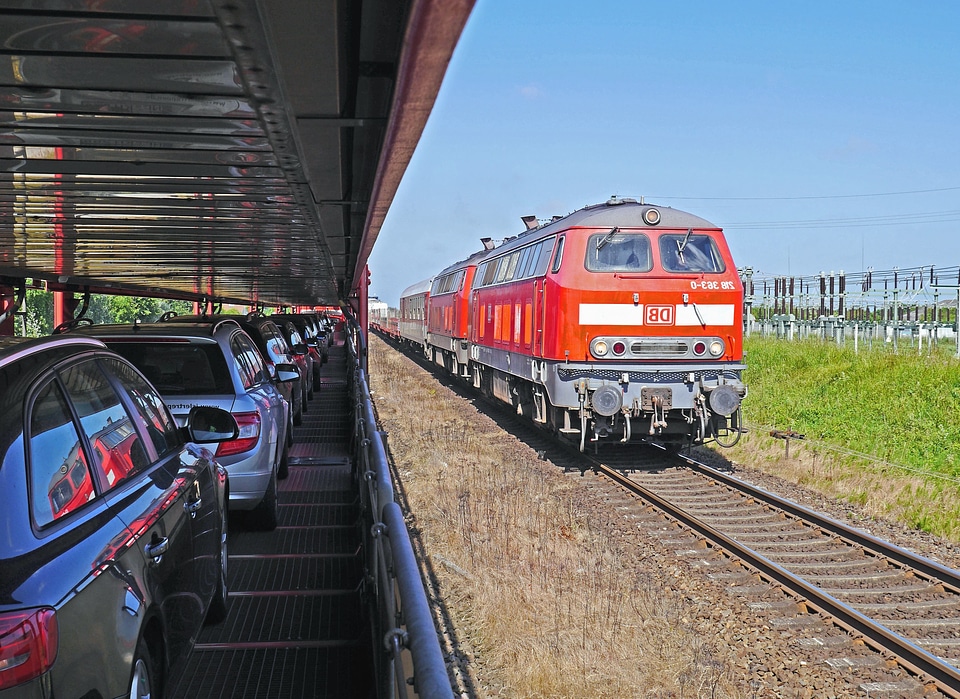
(902, 605)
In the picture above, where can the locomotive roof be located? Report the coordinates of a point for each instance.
(626, 213)
(417, 288)
(623, 213)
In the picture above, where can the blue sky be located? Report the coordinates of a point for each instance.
(820, 135)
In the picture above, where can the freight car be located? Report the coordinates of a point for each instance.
(622, 320)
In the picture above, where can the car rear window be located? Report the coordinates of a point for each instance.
(179, 368)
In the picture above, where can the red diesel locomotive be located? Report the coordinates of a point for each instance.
(622, 320)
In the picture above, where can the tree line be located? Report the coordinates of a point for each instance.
(36, 315)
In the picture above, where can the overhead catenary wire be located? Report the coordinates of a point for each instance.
(921, 217)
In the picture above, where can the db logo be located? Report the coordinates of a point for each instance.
(659, 315)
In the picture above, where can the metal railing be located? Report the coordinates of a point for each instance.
(407, 657)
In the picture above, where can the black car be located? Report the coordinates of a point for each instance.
(314, 336)
(302, 354)
(114, 524)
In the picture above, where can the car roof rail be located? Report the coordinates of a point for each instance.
(68, 325)
(225, 321)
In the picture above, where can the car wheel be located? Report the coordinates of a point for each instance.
(144, 681)
(218, 605)
(264, 515)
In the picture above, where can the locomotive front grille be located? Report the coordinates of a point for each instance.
(658, 348)
(645, 377)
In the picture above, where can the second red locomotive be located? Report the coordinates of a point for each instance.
(621, 320)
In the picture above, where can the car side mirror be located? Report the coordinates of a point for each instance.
(300, 348)
(209, 425)
(286, 373)
(312, 342)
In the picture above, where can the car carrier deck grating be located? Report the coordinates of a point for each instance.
(294, 626)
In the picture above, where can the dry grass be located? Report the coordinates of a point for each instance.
(549, 605)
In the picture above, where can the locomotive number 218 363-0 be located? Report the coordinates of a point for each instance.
(711, 285)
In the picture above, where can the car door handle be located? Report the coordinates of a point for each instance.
(193, 506)
(157, 547)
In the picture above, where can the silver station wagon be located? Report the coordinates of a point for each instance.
(217, 364)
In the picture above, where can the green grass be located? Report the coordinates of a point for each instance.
(902, 408)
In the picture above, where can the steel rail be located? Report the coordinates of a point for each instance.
(915, 659)
(948, 576)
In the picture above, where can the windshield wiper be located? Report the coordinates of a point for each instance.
(699, 317)
(608, 237)
(681, 244)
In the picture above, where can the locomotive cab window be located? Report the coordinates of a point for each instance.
(619, 252)
(689, 252)
(558, 257)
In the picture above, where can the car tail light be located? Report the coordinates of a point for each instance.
(249, 424)
(28, 645)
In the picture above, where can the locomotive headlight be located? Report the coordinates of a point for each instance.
(716, 348)
(599, 348)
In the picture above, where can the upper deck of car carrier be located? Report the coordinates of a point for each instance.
(242, 152)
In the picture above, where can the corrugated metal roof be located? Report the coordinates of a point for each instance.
(238, 150)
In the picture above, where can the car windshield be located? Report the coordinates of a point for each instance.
(179, 368)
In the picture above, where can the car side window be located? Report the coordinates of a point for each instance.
(252, 369)
(282, 342)
(60, 477)
(260, 372)
(243, 366)
(274, 342)
(160, 426)
(118, 450)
